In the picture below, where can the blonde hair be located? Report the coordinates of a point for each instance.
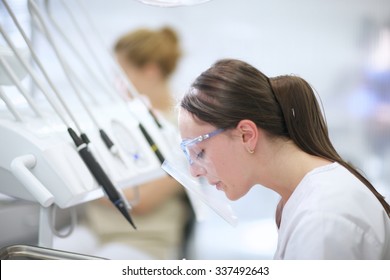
(144, 46)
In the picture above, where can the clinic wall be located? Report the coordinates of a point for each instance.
(315, 39)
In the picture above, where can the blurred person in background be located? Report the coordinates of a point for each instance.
(163, 215)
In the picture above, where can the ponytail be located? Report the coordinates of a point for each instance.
(306, 125)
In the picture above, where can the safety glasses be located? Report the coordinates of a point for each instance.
(192, 152)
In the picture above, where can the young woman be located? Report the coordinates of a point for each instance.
(240, 128)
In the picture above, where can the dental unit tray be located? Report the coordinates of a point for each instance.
(40, 163)
(27, 252)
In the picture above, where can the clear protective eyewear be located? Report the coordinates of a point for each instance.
(189, 145)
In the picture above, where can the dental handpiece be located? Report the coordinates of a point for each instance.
(100, 176)
(151, 143)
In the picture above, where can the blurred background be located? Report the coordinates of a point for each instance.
(342, 48)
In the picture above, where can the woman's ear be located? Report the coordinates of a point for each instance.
(249, 133)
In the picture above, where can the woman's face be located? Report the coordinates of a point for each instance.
(220, 158)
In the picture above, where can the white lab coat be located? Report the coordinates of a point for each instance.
(332, 215)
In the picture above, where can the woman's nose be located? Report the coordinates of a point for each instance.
(197, 170)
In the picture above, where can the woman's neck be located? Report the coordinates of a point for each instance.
(289, 166)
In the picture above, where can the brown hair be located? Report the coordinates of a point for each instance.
(284, 106)
(145, 45)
